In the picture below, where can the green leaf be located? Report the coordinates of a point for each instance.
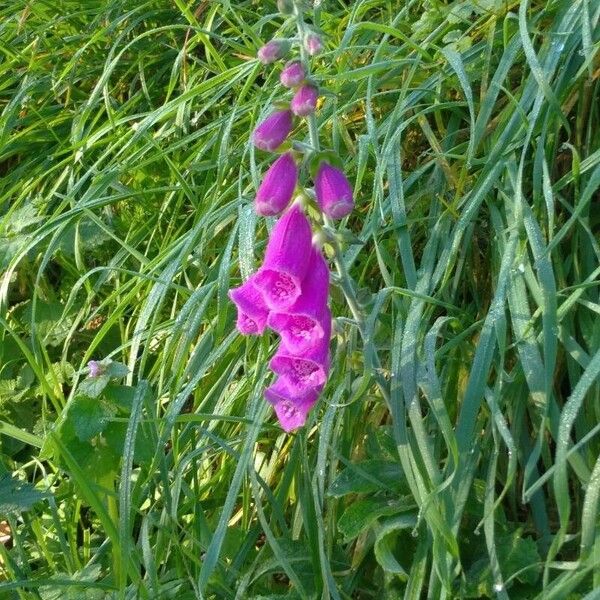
(361, 514)
(17, 496)
(368, 476)
(92, 387)
(385, 542)
(89, 416)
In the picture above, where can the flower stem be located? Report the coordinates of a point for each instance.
(347, 284)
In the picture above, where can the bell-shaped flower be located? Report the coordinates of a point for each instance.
(291, 409)
(333, 191)
(272, 51)
(286, 260)
(277, 187)
(301, 325)
(307, 369)
(293, 74)
(273, 131)
(313, 44)
(252, 312)
(304, 101)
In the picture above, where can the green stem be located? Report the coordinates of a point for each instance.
(346, 282)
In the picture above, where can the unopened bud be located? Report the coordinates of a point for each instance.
(313, 44)
(285, 7)
(273, 50)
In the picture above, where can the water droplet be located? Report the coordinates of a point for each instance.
(498, 587)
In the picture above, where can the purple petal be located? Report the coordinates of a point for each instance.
(304, 101)
(252, 310)
(286, 260)
(277, 187)
(333, 191)
(300, 326)
(291, 409)
(293, 74)
(307, 369)
(273, 131)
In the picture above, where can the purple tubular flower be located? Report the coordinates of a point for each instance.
(252, 310)
(277, 187)
(293, 74)
(272, 51)
(273, 131)
(304, 101)
(286, 260)
(307, 369)
(313, 44)
(300, 326)
(333, 191)
(290, 408)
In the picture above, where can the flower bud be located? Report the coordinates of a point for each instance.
(313, 44)
(304, 101)
(333, 191)
(293, 74)
(286, 260)
(277, 187)
(272, 51)
(285, 7)
(95, 368)
(273, 131)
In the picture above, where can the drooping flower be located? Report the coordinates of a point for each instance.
(286, 260)
(293, 74)
(291, 409)
(273, 131)
(272, 51)
(313, 44)
(333, 191)
(304, 101)
(277, 187)
(307, 369)
(300, 326)
(252, 310)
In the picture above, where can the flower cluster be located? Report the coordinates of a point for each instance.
(289, 292)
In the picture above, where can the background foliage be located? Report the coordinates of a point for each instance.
(471, 131)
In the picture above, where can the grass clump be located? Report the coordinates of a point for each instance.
(471, 133)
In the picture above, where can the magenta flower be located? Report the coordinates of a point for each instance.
(277, 187)
(293, 74)
(300, 326)
(272, 51)
(273, 131)
(252, 310)
(313, 44)
(286, 260)
(307, 369)
(333, 191)
(304, 101)
(291, 409)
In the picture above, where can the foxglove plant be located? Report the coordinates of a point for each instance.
(289, 292)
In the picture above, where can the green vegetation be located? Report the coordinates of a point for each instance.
(471, 130)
